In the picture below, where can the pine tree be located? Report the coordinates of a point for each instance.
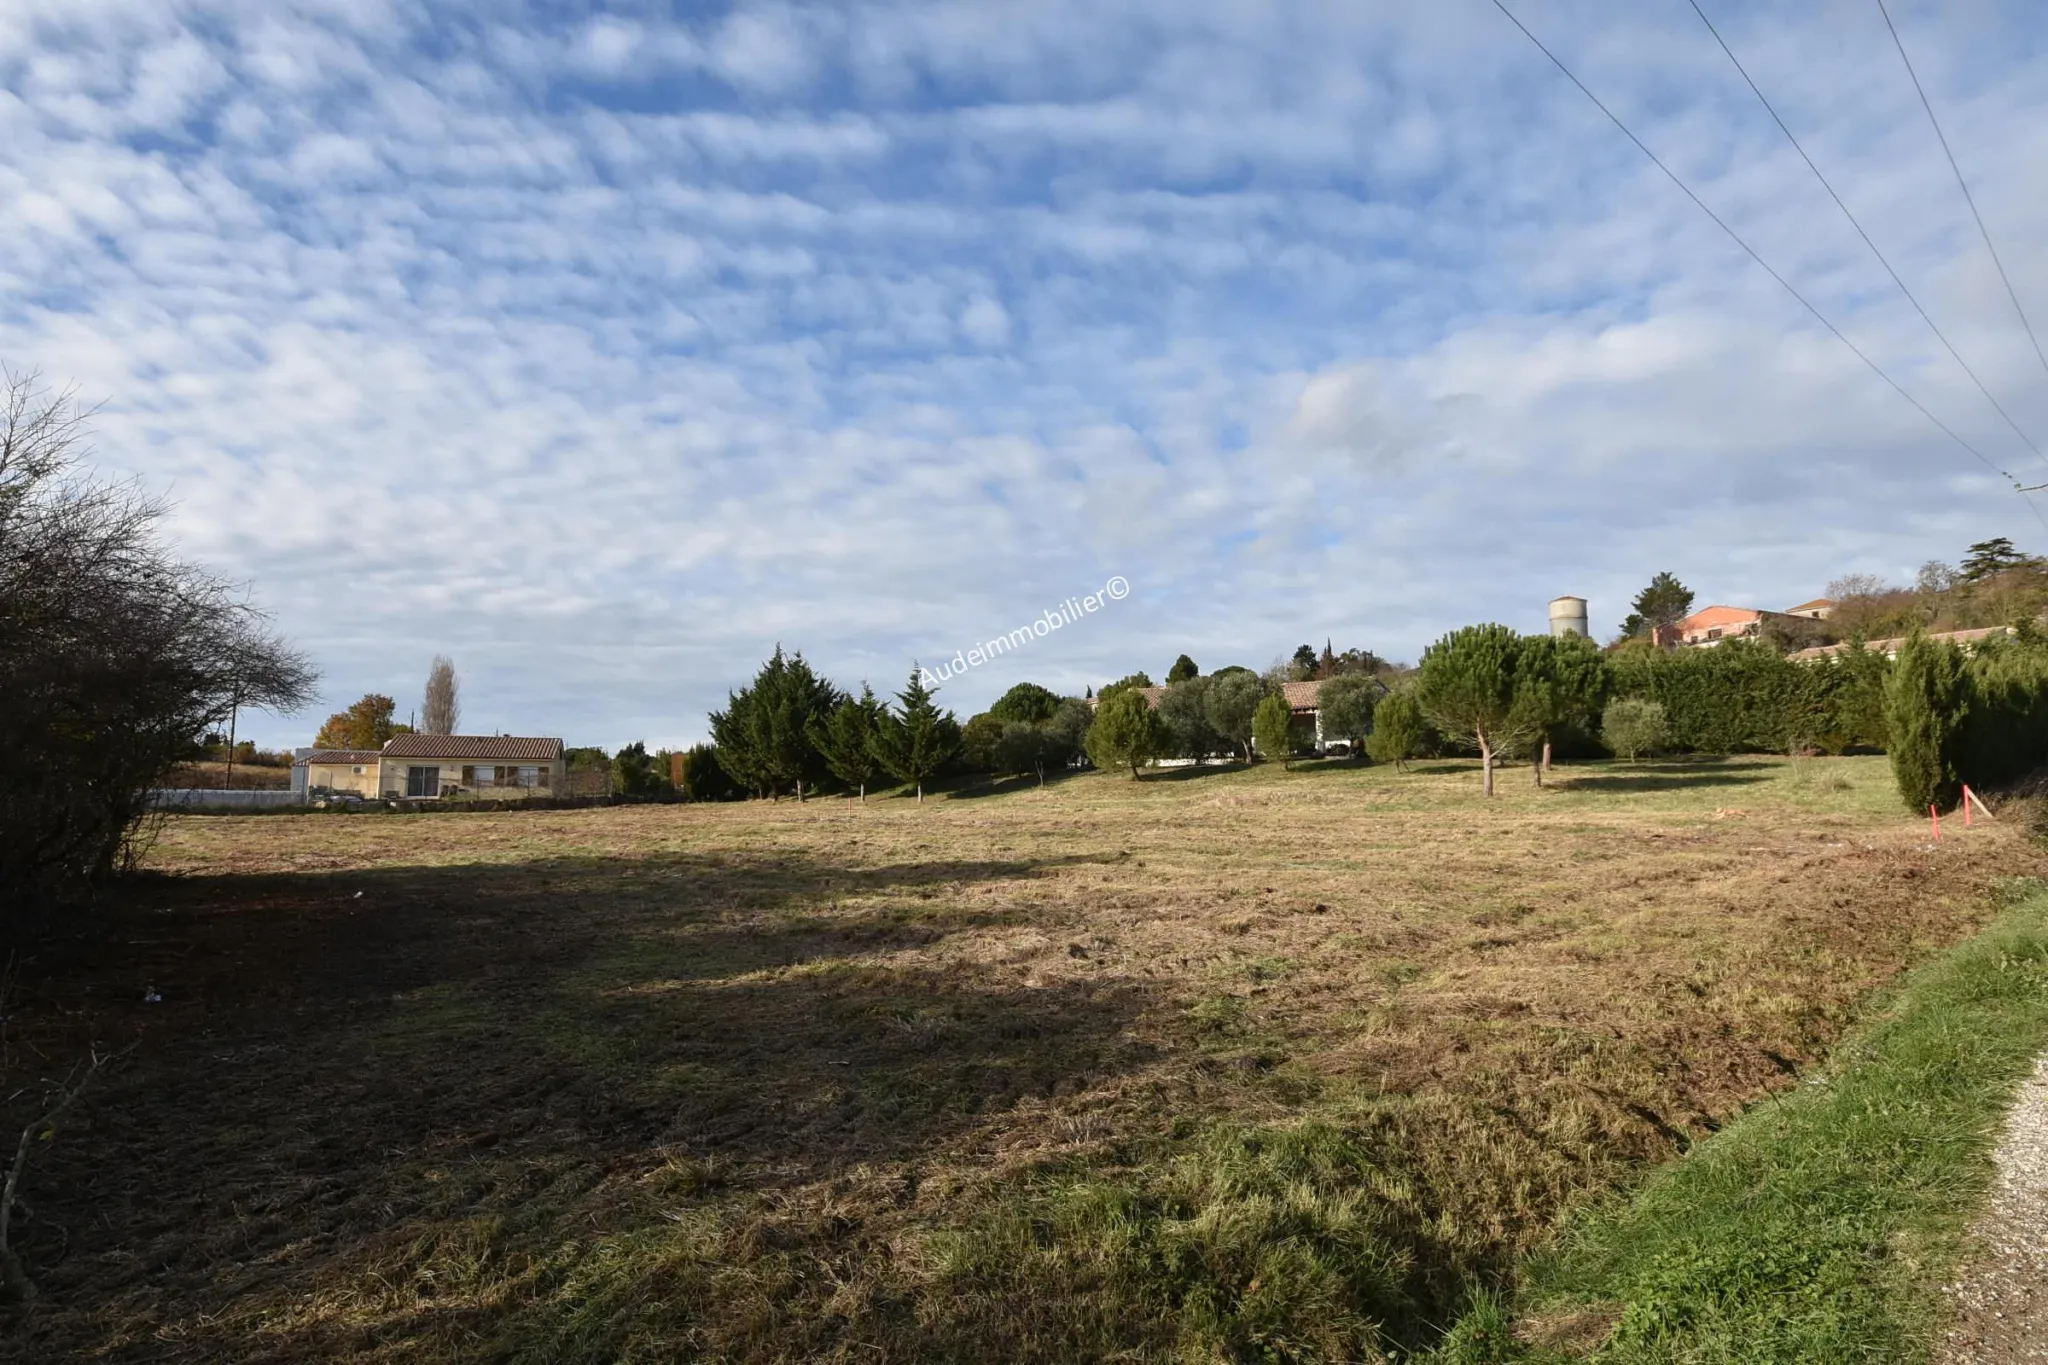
(1665, 602)
(1560, 681)
(1183, 669)
(846, 738)
(1273, 729)
(1925, 702)
(1467, 686)
(1127, 733)
(915, 741)
(1026, 703)
(1989, 558)
(1398, 730)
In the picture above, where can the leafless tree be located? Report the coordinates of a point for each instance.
(115, 657)
(441, 712)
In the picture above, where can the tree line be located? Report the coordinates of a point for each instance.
(792, 730)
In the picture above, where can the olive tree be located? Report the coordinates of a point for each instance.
(1633, 726)
(1233, 701)
(1184, 711)
(1346, 702)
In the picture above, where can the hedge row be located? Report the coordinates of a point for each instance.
(1978, 718)
(1745, 697)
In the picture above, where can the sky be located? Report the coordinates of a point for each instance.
(604, 349)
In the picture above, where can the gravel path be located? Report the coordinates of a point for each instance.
(2001, 1301)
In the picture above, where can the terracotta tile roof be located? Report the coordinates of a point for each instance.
(1814, 605)
(1718, 615)
(498, 748)
(1302, 696)
(341, 756)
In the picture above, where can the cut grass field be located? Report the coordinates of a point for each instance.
(1220, 1065)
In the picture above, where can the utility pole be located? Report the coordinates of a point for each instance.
(234, 707)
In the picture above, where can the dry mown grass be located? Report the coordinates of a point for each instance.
(1211, 1066)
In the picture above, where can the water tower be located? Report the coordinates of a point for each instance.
(1568, 617)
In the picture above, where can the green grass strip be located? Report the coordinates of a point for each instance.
(1819, 1226)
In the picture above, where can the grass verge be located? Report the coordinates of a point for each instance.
(1819, 1225)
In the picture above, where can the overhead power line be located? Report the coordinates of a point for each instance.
(1751, 252)
(2027, 440)
(1963, 184)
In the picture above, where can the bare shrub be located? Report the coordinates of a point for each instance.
(115, 658)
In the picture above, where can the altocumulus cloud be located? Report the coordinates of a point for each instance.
(605, 352)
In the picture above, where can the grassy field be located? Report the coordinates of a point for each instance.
(1817, 1227)
(1217, 1066)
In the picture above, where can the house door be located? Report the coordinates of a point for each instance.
(423, 781)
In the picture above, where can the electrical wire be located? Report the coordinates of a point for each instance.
(1751, 252)
(2027, 440)
(1964, 185)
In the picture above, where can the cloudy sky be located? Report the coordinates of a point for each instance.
(604, 348)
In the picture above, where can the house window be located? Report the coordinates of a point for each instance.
(529, 777)
(484, 774)
(1714, 634)
(422, 781)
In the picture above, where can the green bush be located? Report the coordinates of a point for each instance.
(1634, 726)
(2004, 731)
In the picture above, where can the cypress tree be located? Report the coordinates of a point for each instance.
(916, 741)
(1925, 704)
(846, 739)
(763, 734)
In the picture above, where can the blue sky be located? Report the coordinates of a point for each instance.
(603, 349)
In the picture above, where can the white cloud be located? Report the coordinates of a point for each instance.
(985, 322)
(605, 355)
